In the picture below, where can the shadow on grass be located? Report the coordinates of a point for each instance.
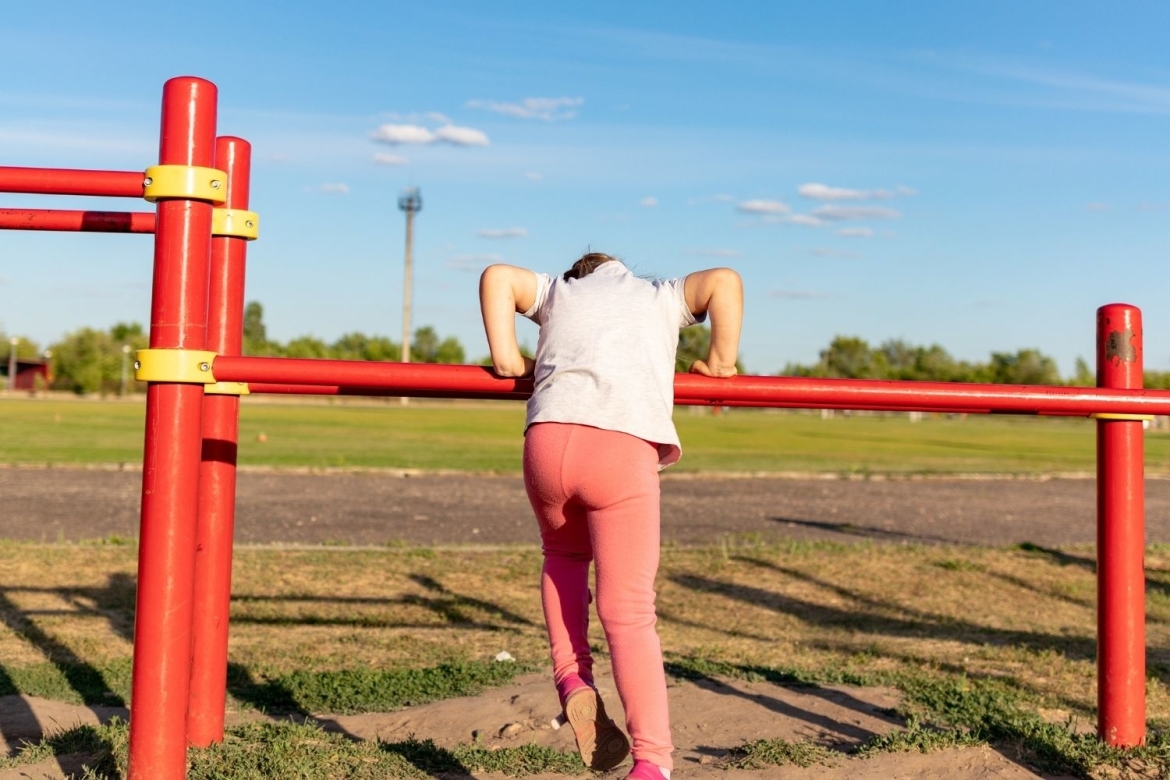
(864, 532)
(914, 624)
(453, 608)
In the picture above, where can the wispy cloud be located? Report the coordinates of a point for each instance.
(720, 253)
(835, 213)
(760, 206)
(546, 109)
(516, 232)
(396, 135)
(817, 191)
(806, 220)
(648, 202)
(1097, 207)
(338, 188)
(385, 158)
(720, 198)
(473, 263)
(856, 232)
(533, 176)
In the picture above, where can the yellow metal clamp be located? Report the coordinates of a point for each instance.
(188, 366)
(227, 388)
(1113, 416)
(236, 223)
(184, 181)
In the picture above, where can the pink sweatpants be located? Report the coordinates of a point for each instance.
(596, 496)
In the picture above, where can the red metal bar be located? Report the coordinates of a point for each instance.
(217, 474)
(166, 560)
(1121, 583)
(77, 221)
(418, 379)
(66, 181)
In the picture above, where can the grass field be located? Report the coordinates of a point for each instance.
(986, 645)
(487, 437)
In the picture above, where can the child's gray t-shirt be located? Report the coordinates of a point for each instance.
(605, 356)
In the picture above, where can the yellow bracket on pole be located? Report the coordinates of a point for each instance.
(227, 388)
(235, 223)
(1113, 416)
(184, 181)
(187, 366)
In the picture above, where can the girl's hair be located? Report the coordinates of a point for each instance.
(586, 265)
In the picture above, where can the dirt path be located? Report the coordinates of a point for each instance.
(381, 508)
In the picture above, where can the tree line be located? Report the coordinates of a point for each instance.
(88, 360)
(852, 357)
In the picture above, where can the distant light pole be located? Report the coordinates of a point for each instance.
(125, 368)
(409, 201)
(12, 342)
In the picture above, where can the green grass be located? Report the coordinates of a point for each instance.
(487, 437)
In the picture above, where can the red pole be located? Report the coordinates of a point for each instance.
(217, 475)
(1121, 584)
(64, 181)
(170, 475)
(77, 221)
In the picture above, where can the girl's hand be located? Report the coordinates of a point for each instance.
(719, 372)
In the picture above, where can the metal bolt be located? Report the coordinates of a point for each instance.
(204, 366)
(250, 223)
(137, 364)
(147, 181)
(215, 184)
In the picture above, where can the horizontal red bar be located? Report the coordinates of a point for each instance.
(417, 379)
(77, 221)
(66, 181)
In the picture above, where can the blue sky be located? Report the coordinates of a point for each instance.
(979, 176)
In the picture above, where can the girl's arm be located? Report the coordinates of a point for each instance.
(504, 292)
(719, 293)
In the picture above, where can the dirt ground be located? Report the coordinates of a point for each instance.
(376, 508)
(709, 718)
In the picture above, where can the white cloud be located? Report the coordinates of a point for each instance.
(462, 136)
(834, 213)
(473, 263)
(416, 134)
(517, 232)
(796, 295)
(721, 253)
(648, 202)
(720, 198)
(817, 191)
(856, 232)
(807, 220)
(533, 176)
(759, 206)
(402, 134)
(1098, 207)
(547, 109)
(385, 158)
(336, 189)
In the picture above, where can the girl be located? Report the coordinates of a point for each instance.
(598, 432)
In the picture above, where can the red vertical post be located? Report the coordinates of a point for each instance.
(170, 475)
(217, 474)
(1121, 591)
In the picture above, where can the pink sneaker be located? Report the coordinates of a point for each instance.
(645, 770)
(600, 742)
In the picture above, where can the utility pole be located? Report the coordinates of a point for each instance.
(409, 201)
(125, 369)
(12, 342)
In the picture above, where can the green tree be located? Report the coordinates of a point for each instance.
(256, 333)
(307, 347)
(1083, 376)
(1025, 367)
(86, 361)
(359, 346)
